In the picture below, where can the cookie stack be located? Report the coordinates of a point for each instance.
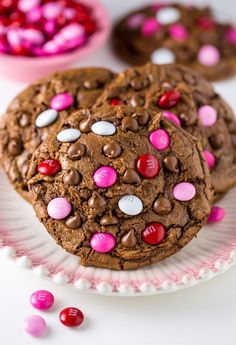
(121, 169)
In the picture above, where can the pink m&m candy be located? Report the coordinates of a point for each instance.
(102, 242)
(184, 191)
(216, 215)
(105, 177)
(159, 139)
(33, 36)
(208, 55)
(35, 325)
(207, 115)
(27, 5)
(210, 158)
(135, 21)
(150, 26)
(178, 32)
(52, 10)
(42, 299)
(172, 117)
(62, 101)
(59, 208)
(72, 31)
(230, 35)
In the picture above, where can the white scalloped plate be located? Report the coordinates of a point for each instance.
(25, 240)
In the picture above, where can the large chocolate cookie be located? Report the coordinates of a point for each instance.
(191, 102)
(121, 187)
(176, 33)
(38, 110)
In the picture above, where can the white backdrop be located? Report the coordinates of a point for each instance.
(205, 313)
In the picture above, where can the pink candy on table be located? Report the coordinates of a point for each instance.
(105, 177)
(62, 101)
(42, 299)
(210, 158)
(150, 26)
(184, 191)
(59, 208)
(216, 215)
(102, 242)
(207, 115)
(178, 32)
(35, 325)
(135, 21)
(172, 117)
(208, 55)
(159, 139)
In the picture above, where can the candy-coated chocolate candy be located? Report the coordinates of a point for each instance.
(135, 21)
(68, 135)
(42, 299)
(62, 101)
(205, 23)
(14, 37)
(230, 35)
(210, 158)
(103, 128)
(184, 191)
(162, 56)
(208, 55)
(167, 15)
(216, 215)
(72, 31)
(52, 10)
(49, 167)
(51, 48)
(105, 177)
(154, 233)
(35, 325)
(148, 166)
(116, 101)
(159, 139)
(149, 27)
(50, 27)
(178, 32)
(33, 36)
(207, 115)
(34, 15)
(27, 5)
(46, 118)
(169, 99)
(130, 204)
(172, 117)
(102, 242)
(71, 317)
(59, 208)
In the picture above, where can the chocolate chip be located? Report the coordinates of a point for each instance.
(96, 201)
(24, 120)
(74, 222)
(136, 101)
(216, 141)
(76, 151)
(112, 149)
(129, 240)
(171, 163)
(85, 125)
(71, 177)
(131, 176)
(141, 116)
(15, 147)
(91, 84)
(138, 83)
(129, 124)
(162, 206)
(188, 119)
(109, 219)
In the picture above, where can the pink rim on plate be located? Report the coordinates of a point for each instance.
(24, 239)
(28, 69)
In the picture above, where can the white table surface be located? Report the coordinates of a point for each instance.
(203, 314)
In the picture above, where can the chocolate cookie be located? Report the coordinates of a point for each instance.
(128, 188)
(176, 33)
(38, 110)
(189, 101)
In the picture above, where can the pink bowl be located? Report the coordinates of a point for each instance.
(27, 69)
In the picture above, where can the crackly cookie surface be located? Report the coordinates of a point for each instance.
(168, 33)
(189, 101)
(38, 110)
(121, 187)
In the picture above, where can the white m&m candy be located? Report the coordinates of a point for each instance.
(46, 118)
(68, 135)
(167, 15)
(162, 56)
(130, 204)
(103, 128)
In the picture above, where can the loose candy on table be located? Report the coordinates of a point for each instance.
(42, 299)
(35, 325)
(71, 317)
(59, 208)
(216, 215)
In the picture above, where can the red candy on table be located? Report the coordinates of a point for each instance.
(49, 167)
(71, 317)
(148, 166)
(154, 233)
(169, 99)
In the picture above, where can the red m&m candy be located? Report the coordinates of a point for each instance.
(154, 233)
(49, 167)
(116, 101)
(71, 317)
(169, 99)
(148, 166)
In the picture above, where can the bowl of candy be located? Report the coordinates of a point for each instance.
(38, 37)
